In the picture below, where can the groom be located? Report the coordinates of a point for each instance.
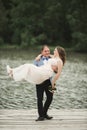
(43, 87)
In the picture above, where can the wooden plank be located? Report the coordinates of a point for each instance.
(75, 119)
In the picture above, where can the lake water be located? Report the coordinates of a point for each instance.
(71, 86)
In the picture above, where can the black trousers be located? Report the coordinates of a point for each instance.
(40, 89)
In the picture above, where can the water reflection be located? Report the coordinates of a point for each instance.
(71, 86)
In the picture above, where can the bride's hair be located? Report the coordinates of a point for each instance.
(62, 53)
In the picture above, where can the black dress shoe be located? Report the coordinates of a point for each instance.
(40, 119)
(48, 117)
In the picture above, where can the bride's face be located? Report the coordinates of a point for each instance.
(56, 52)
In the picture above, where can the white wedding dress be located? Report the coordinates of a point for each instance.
(32, 73)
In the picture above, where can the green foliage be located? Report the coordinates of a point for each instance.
(39, 22)
(16, 39)
(3, 20)
(81, 40)
(1, 42)
(41, 39)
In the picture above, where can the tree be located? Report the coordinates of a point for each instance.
(50, 22)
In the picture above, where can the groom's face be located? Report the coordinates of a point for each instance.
(46, 52)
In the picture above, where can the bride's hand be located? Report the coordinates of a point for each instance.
(53, 85)
(38, 57)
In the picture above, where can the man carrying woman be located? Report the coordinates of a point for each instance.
(42, 74)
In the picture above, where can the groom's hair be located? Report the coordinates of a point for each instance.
(44, 47)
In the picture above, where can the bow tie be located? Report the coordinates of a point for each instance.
(44, 58)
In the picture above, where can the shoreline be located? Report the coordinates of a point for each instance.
(37, 48)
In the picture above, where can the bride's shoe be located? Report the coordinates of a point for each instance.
(9, 71)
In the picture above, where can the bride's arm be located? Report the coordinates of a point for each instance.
(38, 57)
(60, 65)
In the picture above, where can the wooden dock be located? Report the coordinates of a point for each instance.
(75, 119)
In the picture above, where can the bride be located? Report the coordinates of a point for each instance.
(37, 75)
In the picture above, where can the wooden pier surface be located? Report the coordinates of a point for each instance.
(73, 119)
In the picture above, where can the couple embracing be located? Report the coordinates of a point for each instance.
(44, 73)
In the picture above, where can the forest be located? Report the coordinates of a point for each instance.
(25, 23)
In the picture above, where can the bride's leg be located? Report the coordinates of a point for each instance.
(9, 71)
(19, 73)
